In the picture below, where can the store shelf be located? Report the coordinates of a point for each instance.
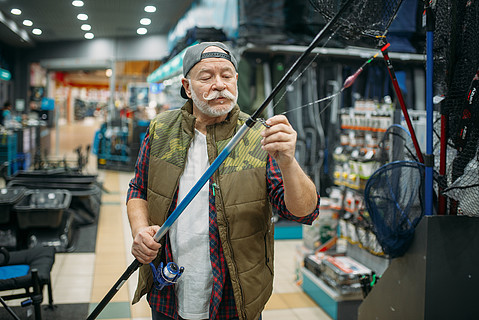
(349, 52)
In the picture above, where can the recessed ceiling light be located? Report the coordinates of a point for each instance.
(145, 21)
(82, 17)
(27, 23)
(150, 8)
(77, 3)
(141, 31)
(16, 11)
(89, 35)
(37, 31)
(85, 27)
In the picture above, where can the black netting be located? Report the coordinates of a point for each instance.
(394, 197)
(441, 50)
(456, 62)
(361, 18)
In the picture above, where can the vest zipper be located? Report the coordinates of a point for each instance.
(214, 185)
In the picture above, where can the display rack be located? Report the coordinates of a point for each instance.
(335, 305)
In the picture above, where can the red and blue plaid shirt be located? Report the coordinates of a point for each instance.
(222, 304)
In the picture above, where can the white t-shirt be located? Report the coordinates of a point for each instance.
(189, 237)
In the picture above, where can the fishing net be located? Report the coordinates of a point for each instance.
(394, 198)
(396, 144)
(361, 19)
(456, 63)
(465, 189)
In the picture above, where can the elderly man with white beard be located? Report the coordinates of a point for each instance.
(224, 238)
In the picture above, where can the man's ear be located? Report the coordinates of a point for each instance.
(186, 85)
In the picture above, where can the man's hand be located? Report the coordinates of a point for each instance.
(279, 140)
(144, 247)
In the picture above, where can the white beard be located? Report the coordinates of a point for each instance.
(205, 108)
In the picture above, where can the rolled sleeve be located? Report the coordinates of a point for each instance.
(276, 194)
(139, 183)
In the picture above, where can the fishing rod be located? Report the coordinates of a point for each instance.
(217, 162)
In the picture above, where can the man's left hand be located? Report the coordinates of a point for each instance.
(279, 140)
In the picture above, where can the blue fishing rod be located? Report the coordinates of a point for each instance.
(217, 162)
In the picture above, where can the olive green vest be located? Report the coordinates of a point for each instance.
(241, 198)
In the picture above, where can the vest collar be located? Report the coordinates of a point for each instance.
(223, 130)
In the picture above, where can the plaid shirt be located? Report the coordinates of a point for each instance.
(222, 304)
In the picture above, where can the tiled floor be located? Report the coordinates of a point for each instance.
(87, 277)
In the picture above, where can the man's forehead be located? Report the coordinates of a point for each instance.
(208, 64)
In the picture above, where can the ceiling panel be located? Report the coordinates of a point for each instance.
(108, 18)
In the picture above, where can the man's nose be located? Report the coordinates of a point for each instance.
(219, 84)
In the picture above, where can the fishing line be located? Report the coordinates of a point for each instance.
(347, 83)
(305, 68)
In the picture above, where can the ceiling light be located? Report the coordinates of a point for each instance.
(109, 73)
(89, 35)
(77, 3)
(85, 27)
(82, 17)
(37, 31)
(27, 23)
(141, 31)
(18, 12)
(150, 8)
(145, 21)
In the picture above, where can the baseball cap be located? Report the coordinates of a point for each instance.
(194, 54)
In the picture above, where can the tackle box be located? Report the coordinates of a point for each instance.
(343, 274)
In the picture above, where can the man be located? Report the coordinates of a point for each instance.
(224, 238)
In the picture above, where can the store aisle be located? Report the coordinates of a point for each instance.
(86, 277)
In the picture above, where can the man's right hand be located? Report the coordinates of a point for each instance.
(144, 247)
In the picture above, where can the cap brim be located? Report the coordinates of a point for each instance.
(183, 93)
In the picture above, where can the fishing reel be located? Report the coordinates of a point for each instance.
(167, 275)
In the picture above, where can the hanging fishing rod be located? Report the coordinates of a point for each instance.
(384, 45)
(216, 163)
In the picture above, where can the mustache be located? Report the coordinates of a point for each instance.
(219, 94)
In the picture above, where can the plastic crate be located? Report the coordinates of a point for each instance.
(8, 198)
(42, 208)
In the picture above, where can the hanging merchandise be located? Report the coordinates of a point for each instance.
(456, 43)
(394, 198)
